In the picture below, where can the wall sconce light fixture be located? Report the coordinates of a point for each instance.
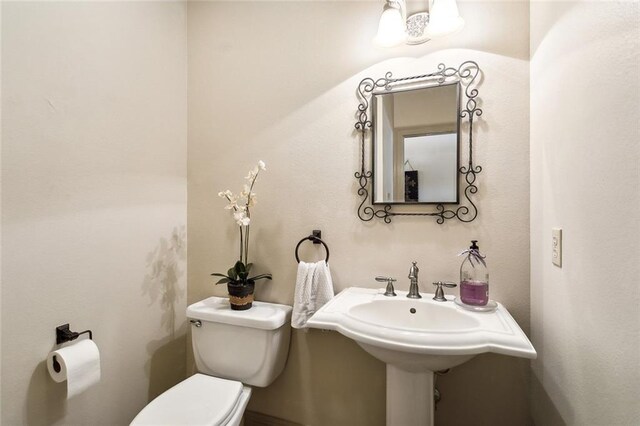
(396, 28)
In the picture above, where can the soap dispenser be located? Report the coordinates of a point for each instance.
(474, 277)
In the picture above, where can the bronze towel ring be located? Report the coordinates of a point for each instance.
(315, 238)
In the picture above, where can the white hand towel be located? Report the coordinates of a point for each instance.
(314, 288)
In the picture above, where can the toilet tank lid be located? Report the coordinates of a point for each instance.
(262, 315)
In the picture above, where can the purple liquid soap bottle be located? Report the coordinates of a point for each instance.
(474, 277)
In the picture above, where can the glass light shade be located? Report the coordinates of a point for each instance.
(392, 28)
(444, 19)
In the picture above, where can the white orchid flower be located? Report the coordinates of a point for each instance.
(241, 218)
(253, 199)
(245, 191)
(225, 194)
(233, 202)
(239, 206)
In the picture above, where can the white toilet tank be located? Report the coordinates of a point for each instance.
(248, 346)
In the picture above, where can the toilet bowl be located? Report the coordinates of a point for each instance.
(233, 350)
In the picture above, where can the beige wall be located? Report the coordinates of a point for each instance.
(0, 217)
(585, 62)
(413, 109)
(277, 81)
(94, 202)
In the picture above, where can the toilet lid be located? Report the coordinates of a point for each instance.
(198, 400)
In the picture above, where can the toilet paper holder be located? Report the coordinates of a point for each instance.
(64, 334)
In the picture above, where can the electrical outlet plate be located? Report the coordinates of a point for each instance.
(556, 246)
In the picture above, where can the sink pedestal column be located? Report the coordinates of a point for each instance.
(409, 397)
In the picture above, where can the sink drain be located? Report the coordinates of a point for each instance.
(412, 310)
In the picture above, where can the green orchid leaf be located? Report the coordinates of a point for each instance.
(223, 281)
(232, 274)
(219, 275)
(261, 277)
(249, 266)
(239, 267)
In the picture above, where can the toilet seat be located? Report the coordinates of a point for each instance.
(199, 400)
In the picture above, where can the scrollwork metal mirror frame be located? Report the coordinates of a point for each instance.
(466, 74)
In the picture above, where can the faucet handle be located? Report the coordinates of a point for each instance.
(447, 284)
(439, 296)
(389, 290)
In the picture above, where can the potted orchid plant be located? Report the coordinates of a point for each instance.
(239, 284)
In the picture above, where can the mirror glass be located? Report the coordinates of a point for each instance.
(416, 145)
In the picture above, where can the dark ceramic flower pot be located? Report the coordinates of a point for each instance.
(241, 295)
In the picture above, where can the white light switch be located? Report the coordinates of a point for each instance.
(556, 246)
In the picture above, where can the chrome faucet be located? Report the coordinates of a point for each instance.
(413, 287)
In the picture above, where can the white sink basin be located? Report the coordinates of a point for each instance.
(416, 337)
(409, 315)
(438, 335)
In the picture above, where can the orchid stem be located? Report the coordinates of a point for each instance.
(246, 246)
(241, 241)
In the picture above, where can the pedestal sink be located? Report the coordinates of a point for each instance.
(416, 337)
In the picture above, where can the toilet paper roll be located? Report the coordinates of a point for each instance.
(78, 364)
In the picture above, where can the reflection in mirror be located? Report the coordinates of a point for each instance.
(416, 145)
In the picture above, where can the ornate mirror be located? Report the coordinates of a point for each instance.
(415, 127)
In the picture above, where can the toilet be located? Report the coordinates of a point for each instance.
(233, 350)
